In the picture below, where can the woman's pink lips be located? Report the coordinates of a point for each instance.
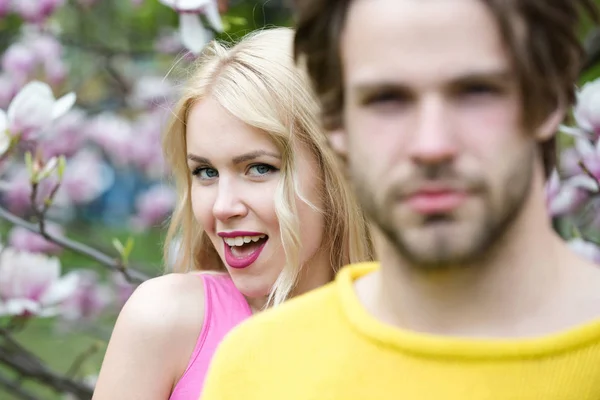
(436, 202)
(241, 262)
(238, 233)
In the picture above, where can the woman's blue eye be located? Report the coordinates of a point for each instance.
(205, 173)
(260, 169)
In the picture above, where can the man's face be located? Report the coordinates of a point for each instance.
(433, 130)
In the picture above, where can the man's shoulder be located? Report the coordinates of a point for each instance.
(296, 312)
(314, 313)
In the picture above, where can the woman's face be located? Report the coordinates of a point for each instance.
(235, 171)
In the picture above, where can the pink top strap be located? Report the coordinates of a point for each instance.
(224, 308)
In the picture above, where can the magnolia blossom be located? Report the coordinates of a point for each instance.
(86, 177)
(153, 206)
(65, 136)
(151, 91)
(90, 298)
(31, 284)
(585, 249)
(563, 198)
(4, 7)
(168, 42)
(587, 108)
(36, 11)
(114, 135)
(147, 154)
(589, 155)
(569, 162)
(32, 111)
(16, 189)
(23, 239)
(9, 87)
(19, 60)
(193, 34)
(124, 289)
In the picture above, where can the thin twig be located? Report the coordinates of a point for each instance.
(80, 360)
(28, 365)
(16, 389)
(132, 275)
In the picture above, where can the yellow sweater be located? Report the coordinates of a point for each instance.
(324, 346)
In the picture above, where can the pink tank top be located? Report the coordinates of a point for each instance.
(224, 308)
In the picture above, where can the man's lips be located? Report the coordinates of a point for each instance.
(437, 200)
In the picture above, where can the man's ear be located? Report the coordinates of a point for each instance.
(338, 142)
(550, 125)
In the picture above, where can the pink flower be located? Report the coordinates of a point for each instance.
(589, 154)
(46, 47)
(16, 190)
(86, 177)
(193, 34)
(30, 284)
(152, 91)
(34, 108)
(168, 42)
(569, 162)
(123, 288)
(23, 239)
(114, 135)
(90, 299)
(19, 60)
(4, 7)
(65, 136)
(9, 87)
(588, 250)
(36, 11)
(56, 71)
(153, 206)
(587, 109)
(147, 154)
(564, 198)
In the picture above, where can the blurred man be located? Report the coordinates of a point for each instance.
(445, 113)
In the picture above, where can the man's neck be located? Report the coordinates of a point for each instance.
(528, 286)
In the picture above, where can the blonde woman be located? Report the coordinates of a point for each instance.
(262, 204)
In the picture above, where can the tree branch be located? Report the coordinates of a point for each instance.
(26, 364)
(132, 275)
(15, 389)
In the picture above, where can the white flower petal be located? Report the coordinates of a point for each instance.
(3, 121)
(584, 148)
(185, 5)
(4, 136)
(573, 131)
(22, 306)
(48, 168)
(193, 34)
(34, 89)
(63, 105)
(60, 290)
(582, 181)
(213, 17)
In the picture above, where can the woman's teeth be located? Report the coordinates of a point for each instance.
(241, 240)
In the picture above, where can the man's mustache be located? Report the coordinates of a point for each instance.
(437, 177)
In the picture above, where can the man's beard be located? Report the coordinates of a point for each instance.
(443, 251)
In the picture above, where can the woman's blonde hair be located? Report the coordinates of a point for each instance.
(257, 82)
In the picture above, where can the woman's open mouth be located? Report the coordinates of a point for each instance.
(242, 251)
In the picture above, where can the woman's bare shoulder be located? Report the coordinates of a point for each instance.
(153, 338)
(168, 302)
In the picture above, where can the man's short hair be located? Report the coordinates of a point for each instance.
(541, 37)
